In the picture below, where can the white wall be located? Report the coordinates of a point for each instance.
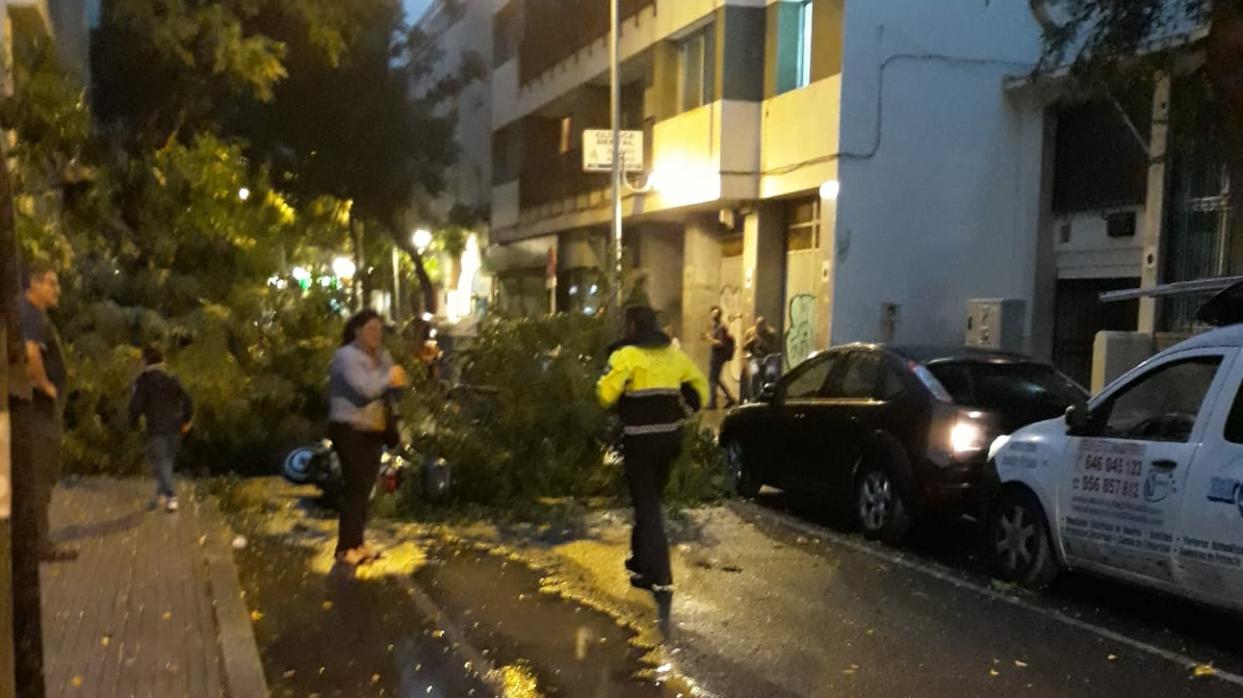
(469, 182)
(1091, 253)
(941, 203)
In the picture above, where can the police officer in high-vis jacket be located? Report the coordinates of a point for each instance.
(655, 388)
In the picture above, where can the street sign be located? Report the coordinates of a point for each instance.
(598, 150)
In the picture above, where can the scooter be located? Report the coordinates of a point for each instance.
(319, 465)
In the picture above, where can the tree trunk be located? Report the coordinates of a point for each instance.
(1224, 62)
(425, 282)
(358, 288)
(426, 286)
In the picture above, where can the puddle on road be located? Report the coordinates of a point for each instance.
(336, 636)
(566, 648)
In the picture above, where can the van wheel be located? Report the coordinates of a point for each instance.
(746, 485)
(881, 513)
(1019, 541)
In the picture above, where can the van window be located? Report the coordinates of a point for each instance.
(1234, 423)
(1161, 405)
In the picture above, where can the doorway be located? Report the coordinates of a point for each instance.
(1080, 315)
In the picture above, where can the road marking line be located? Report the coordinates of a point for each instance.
(937, 571)
(482, 666)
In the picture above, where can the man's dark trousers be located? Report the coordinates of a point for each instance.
(649, 458)
(715, 368)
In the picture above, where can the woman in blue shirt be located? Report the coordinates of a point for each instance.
(362, 375)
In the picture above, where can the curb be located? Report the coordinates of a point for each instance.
(243, 670)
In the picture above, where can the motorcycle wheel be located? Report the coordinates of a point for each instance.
(298, 464)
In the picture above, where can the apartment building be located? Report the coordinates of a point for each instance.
(852, 171)
(848, 170)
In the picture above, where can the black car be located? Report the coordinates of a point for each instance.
(892, 433)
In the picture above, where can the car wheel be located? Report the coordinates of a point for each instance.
(1019, 541)
(879, 508)
(745, 482)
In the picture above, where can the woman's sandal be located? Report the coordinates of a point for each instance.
(352, 557)
(369, 555)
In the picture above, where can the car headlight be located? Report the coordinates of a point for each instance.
(998, 444)
(967, 437)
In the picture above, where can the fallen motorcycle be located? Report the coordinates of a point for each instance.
(319, 465)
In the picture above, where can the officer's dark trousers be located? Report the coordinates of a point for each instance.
(648, 460)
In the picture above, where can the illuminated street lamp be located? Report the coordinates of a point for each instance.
(343, 268)
(243, 194)
(830, 189)
(422, 239)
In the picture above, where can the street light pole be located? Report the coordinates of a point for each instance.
(615, 99)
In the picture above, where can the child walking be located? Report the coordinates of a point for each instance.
(166, 407)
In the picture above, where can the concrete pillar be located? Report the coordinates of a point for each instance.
(1154, 208)
(1115, 353)
(828, 272)
(701, 282)
(1044, 296)
(764, 264)
(658, 253)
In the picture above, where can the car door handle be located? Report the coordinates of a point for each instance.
(1164, 464)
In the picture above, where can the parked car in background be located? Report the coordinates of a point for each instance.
(889, 434)
(1144, 483)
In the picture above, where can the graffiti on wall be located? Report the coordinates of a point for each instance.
(733, 317)
(800, 337)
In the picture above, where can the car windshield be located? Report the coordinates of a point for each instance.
(1002, 386)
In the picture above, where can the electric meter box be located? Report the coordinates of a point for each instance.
(996, 323)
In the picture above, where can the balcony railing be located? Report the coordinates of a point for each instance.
(550, 37)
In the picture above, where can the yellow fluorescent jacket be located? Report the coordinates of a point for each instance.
(645, 383)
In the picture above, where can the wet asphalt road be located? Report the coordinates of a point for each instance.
(816, 611)
(774, 600)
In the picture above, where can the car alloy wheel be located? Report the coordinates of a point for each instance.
(744, 482)
(875, 500)
(1016, 540)
(1019, 541)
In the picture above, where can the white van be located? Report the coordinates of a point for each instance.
(1142, 483)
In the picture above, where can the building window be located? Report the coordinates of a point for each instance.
(567, 134)
(795, 41)
(506, 154)
(1099, 163)
(506, 34)
(805, 25)
(696, 79)
(803, 224)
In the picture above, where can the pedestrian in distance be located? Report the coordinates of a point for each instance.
(759, 342)
(654, 388)
(360, 381)
(159, 400)
(47, 374)
(722, 345)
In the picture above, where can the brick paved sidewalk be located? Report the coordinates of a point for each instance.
(143, 610)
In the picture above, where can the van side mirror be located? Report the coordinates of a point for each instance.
(1078, 418)
(768, 393)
